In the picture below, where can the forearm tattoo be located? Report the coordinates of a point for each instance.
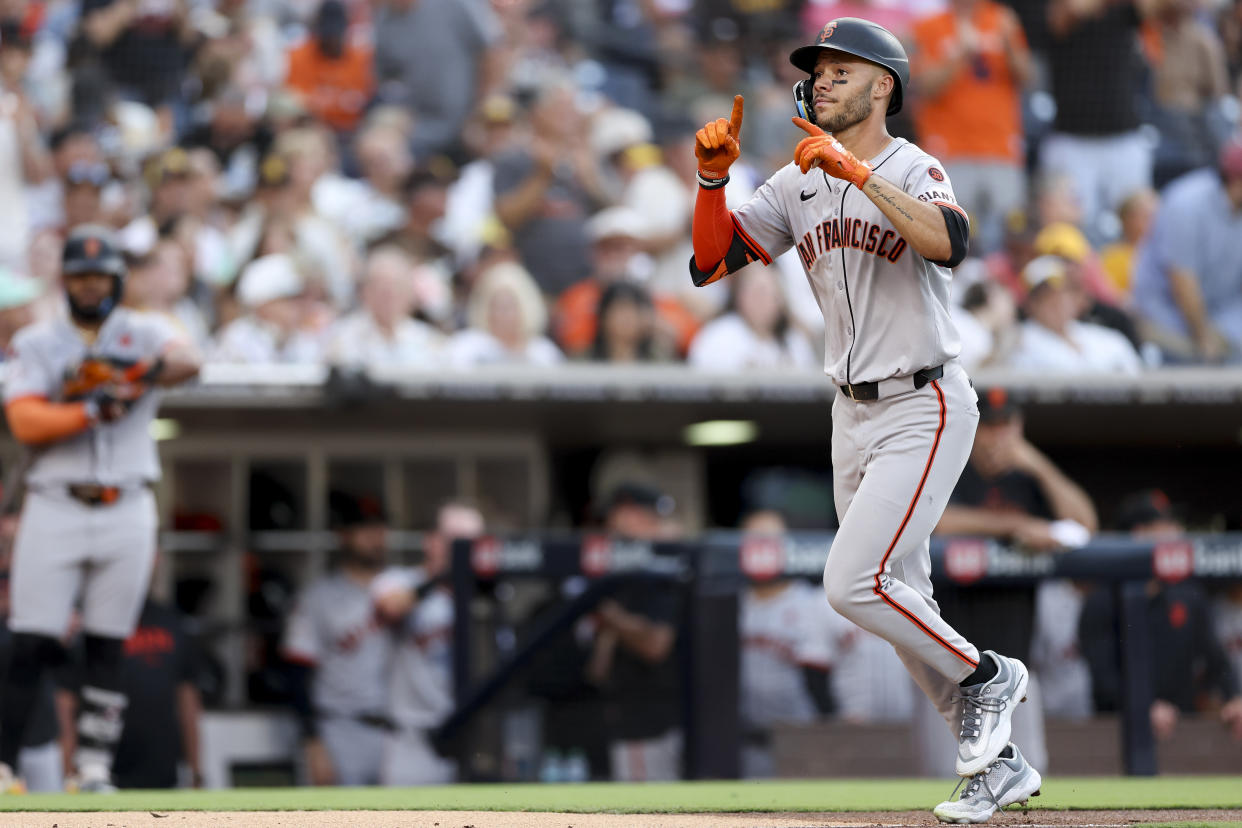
(889, 200)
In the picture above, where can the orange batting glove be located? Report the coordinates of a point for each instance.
(717, 145)
(819, 149)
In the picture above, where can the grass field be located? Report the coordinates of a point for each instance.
(682, 797)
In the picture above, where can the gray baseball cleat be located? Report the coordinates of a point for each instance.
(1007, 780)
(987, 713)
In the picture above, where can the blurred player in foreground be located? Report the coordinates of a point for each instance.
(80, 394)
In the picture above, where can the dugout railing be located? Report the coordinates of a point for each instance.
(710, 574)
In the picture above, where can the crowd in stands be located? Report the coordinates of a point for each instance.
(465, 182)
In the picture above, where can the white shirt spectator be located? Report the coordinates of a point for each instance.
(729, 344)
(253, 341)
(357, 340)
(1091, 349)
(356, 207)
(472, 347)
(976, 338)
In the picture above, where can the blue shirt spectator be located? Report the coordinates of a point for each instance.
(1188, 278)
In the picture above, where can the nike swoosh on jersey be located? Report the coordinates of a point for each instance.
(808, 197)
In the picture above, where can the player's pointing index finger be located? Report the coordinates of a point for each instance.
(735, 120)
(808, 127)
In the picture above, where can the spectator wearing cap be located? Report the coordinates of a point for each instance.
(755, 333)
(169, 179)
(632, 660)
(617, 235)
(544, 194)
(1096, 140)
(18, 295)
(1102, 303)
(507, 317)
(625, 140)
(68, 146)
(271, 292)
(972, 62)
(470, 215)
(339, 655)
(381, 332)
(1188, 277)
(1191, 671)
(436, 58)
(332, 73)
(1010, 491)
(1053, 340)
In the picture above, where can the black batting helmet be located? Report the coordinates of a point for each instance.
(864, 39)
(92, 248)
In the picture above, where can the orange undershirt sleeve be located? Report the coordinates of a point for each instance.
(712, 229)
(34, 420)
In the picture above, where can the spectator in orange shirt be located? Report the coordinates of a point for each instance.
(332, 75)
(617, 235)
(974, 62)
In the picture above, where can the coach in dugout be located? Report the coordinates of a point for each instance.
(339, 655)
(632, 660)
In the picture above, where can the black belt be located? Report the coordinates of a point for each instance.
(863, 391)
(93, 494)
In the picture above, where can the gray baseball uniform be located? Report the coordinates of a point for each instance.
(63, 545)
(895, 458)
(781, 635)
(334, 629)
(421, 684)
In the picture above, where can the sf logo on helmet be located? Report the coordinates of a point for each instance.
(91, 247)
(828, 30)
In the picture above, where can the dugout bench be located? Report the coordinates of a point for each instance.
(710, 574)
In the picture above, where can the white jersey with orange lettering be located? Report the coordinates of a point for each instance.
(886, 308)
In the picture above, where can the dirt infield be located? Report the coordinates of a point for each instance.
(490, 819)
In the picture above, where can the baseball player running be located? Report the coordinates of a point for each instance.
(877, 228)
(80, 393)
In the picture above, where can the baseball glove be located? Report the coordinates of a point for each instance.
(98, 373)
